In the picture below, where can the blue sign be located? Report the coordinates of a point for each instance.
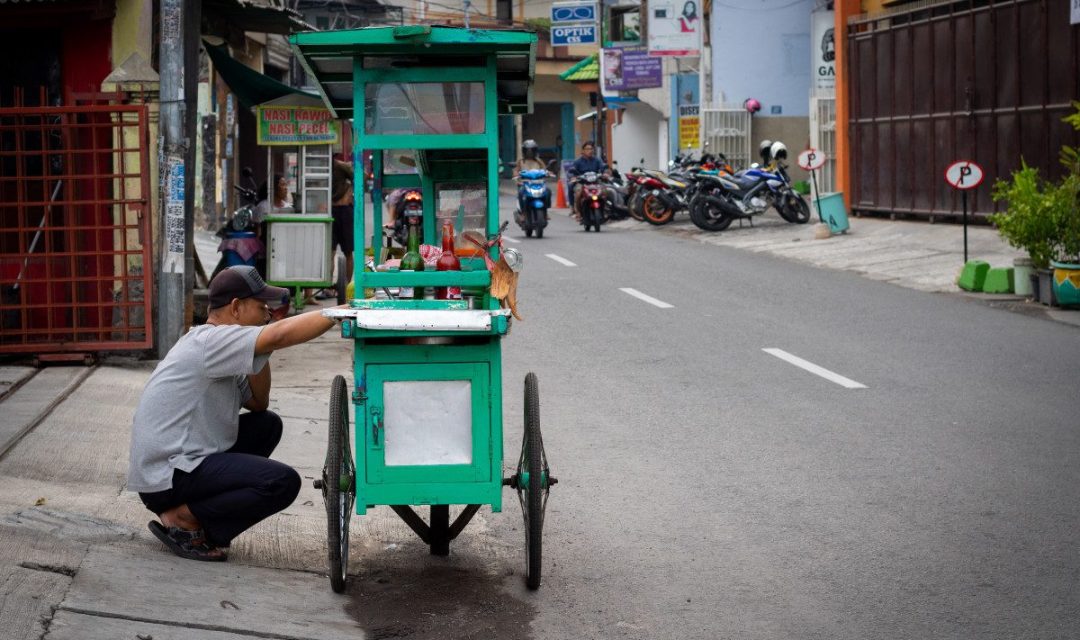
(573, 34)
(573, 12)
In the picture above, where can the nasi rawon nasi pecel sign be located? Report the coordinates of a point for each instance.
(296, 125)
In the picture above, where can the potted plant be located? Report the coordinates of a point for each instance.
(1043, 218)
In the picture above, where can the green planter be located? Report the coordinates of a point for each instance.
(1066, 283)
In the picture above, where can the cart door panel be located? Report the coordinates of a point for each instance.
(428, 423)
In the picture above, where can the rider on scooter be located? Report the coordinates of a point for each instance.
(528, 161)
(586, 163)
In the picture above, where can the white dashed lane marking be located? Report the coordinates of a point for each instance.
(814, 369)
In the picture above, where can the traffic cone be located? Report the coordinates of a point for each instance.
(560, 197)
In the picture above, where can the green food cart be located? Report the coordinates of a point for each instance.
(427, 382)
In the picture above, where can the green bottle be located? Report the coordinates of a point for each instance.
(412, 261)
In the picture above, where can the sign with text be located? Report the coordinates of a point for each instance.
(674, 28)
(563, 35)
(812, 159)
(964, 174)
(822, 52)
(630, 68)
(689, 126)
(296, 126)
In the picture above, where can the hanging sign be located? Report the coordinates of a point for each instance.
(567, 34)
(626, 69)
(573, 23)
(964, 174)
(674, 28)
(812, 160)
(689, 126)
(296, 126)
(823, 52)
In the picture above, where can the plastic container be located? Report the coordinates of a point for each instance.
(832, 212)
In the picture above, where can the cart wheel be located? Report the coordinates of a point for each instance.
(342, 280)
(338, 484)
(533, 483)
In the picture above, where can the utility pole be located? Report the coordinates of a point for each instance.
(175, 273)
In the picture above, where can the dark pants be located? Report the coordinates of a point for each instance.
(229, 492)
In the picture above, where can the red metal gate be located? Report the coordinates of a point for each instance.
(75, 247)
(982, 80)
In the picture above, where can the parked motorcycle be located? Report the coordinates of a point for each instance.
(617, 194)
(240, 242)
(592, 204)
(534, 191)
(724, 198)
(667, 195)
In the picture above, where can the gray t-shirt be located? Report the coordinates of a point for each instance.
(190, 407)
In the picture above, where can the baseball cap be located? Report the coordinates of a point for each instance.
(242, 282)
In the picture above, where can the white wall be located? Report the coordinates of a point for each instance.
(763, 51)
(635, 138)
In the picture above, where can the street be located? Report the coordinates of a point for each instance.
(746, 446)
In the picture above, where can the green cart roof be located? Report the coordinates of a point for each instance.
(328, 58)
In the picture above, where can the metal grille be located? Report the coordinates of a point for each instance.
(726, 130)
(981, 80)
(75, 254)
(823, 138)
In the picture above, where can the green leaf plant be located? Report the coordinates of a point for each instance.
(1042, 217)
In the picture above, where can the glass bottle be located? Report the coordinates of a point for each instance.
(412, 261)
(448, 262)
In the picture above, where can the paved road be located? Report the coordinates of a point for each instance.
(920, 482)
(711, 489)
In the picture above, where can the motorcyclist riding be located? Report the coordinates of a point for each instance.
(586, 163)
(528, 161)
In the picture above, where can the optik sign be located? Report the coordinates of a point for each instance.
(823, 52)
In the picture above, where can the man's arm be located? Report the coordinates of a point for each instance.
(291, 331)
(259, 383)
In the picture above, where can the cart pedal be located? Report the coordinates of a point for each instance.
(552, 481)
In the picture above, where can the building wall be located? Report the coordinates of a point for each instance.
(763, 52)
(635, 137)
(794, 132)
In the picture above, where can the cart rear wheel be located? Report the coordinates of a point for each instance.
(338, 484)
(342, 280)
(533, 483)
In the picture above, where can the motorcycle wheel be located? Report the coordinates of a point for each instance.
(794, 209)
(635, 206)
(655, 212)
(539, 232)
(708, 214)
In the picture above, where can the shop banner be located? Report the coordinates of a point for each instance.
(675, 28)
(689, 126)
(630, 68)
(823, 52)
(296, 125)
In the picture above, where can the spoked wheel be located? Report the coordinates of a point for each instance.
(342, 280)
(338, 484)
(533, 482)
(655, 211)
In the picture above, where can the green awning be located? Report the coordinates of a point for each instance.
(250, 86)
(328, 57)
(587, 70)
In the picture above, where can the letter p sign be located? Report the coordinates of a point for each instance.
(964, 174)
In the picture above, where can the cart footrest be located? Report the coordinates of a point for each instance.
(426, 532)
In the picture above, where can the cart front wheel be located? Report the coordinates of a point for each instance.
(338, 484)
(533, 483)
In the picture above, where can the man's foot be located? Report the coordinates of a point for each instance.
(187, 543)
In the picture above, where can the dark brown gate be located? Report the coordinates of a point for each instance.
(75, 248)
(971, 80)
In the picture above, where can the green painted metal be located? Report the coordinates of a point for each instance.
(504, 61)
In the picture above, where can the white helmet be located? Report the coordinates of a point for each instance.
(764, 150)
(778, 151)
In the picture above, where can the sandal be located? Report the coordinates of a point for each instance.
(187, 543)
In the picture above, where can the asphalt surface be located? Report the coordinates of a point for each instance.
(707, 488)
(711, 490)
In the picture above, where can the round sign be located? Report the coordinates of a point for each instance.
(812, 159)
(964, 174)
